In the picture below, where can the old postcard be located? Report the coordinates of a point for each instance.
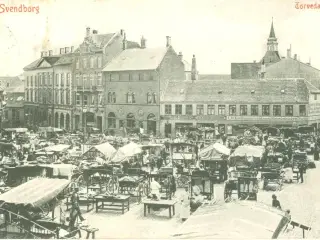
(158, 119)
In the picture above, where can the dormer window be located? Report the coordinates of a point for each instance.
(253, 91)
(219, 92)
(282, 91)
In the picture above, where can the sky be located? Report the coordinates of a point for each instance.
(218, 32)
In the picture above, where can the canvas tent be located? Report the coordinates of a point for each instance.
(249, 151)
(104, 150)
(57, 148)
(245, 220)
(214, 152)
(126, 152)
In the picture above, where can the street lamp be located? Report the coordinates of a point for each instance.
(84, 114)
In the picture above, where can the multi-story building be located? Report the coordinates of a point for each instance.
(135, 81)
(90, 58)
(14, 109)
(225, 105)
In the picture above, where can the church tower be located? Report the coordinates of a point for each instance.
(272, 54)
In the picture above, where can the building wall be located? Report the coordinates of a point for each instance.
(236, 119)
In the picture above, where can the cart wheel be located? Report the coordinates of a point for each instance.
(145, 189)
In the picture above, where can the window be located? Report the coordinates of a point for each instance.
(68, 79)
(35, 81)
(31, 81)
(168, 109)
(93, 99)
(210, 109)
(78, 99)
(315, 96)
(254, 110)
(151, 76)
(56, 95)
(200, 109)
(67, 97)
(78, 82)
(189, 109)
(61, 97)
(100, 99)
(221, 109)
(84, 80)
(45, 79)
(289, 110)
(265, 110)
(243, 110)
(31, 96)
(232, 110)
(110, 97)
(131, 98)
(134, 77)
(302, 110)
(27, 81)
(85, 99)
(276, 110)
(35, 96)
(92, 62)
(99, 79)
(92, 79)
(78, 64)
(62, 80)
(141, 76)
(99, 62)
(27, 96)
(84, 63)
(111, 120)
(50, 78)
(57, 79)
(178, 109)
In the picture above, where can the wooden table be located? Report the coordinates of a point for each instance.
(114, 203)
(169, 204)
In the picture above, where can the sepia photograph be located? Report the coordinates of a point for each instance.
(158, 119)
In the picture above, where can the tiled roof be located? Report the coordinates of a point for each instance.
(102, 39)
(245, 70)
(214, 77)
(65, 60)
(131, 44)
(15, 100)
(32, 65)
(237, 91)
(51, 60)
(187, 66)
(16, 89)
(137, 59)
(271, 57)
(9, 79)
(311, 87)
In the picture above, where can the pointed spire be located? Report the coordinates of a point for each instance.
(272, 34)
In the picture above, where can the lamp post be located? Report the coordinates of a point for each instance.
(84, 115)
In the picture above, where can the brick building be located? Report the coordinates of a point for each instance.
(92, 55)
(135, 81)
(225, 105)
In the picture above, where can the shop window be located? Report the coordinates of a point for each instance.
(221, 109)
(85, 100)
(78, 99)
(200, 109)
(211, 109)
(178, 109)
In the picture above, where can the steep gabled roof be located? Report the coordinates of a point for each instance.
(271, 57)
(65, 59)
(137, 59)
(272, 33)
(237, 91)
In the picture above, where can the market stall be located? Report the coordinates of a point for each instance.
(247, 155)
(126, 153)
(104, 150)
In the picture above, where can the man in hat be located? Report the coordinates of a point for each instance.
(75, 209)
(275, 202)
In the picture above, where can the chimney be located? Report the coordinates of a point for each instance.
(61, 50)
(263, 69)
(194, 73)
(71, 49)
(45, 54)
(42, 53)
(124, 42)
(254, 61)
(87, 32)
(94, 32)
(66, 49)
(295, 57)
(289, 52)
(143, 42)
(168, 41)
(121, 32)
(180, 56)
(50, 52)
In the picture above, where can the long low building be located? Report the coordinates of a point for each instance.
(224, 105)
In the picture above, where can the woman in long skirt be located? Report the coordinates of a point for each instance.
(185, 205)
(316, 152)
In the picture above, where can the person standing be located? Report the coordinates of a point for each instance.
(75, 208)
(155, 188)
(301, 171)
(316, 152)
(185, 205)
